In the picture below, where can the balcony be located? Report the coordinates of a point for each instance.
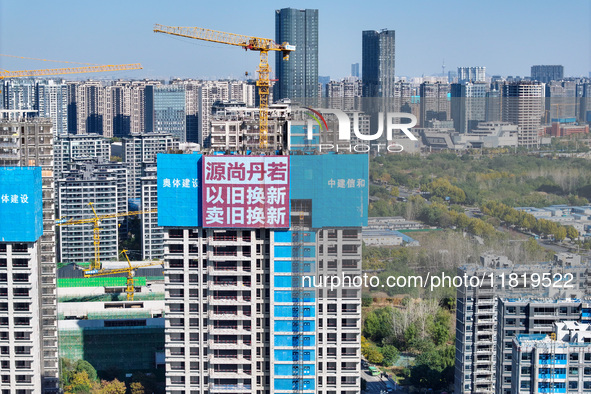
(230, 373)
(229, 300)
(222, 344)
(230, 329)
(229, 359)
(229, 315)
(229, 388)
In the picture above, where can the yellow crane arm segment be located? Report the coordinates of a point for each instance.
(199, 33)
(102, 272)
(93, 220)
(69, 70)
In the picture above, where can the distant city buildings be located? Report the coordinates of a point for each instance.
(73, 147)
(434, 102)
(344, 94)
(468, 105)
(547, 74)
(298, 76)
(355, 70)
(168, 111)
(378, 63)
(49, 97)
(471, 74)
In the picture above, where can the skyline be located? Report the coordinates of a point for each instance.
(122, 33)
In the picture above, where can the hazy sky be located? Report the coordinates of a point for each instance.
(507, 37)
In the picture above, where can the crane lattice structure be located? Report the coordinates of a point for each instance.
(130, 287)
(262, 45)
(68, 70)
(96, 264)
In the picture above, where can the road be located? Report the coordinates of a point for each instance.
(375, 384)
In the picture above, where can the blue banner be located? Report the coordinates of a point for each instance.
(21, 204)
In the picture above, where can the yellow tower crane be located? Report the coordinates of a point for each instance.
(130, 271)
(262, 45)
(92, 68)
(96, 264)
(68, 70)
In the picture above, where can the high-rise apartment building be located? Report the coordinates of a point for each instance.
(140, 151)
(355, 70)
(105, 186)
(555, 363)
(235, 127)
(72, 147)
(468, 105)
(28, 333)
(523, 105)
(344, 94)
(527, 316)
(490, 315)
(129, 107)
(48, 97)
(471, 74)
(169, 114)
(560, 103)
(378, 63)
(240, 316)
(434, 102)
(52, 103)
(139, 155)
(546, 74)
(298, 76)
(152, 234)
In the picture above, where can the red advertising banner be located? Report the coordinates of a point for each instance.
(245, 191)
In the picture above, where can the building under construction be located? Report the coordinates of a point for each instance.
(240, 235)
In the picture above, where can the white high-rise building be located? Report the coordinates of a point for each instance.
(471, 74)
(69, 148)
(240, 316)
(142, 149)
(523, 105)
(28, 332)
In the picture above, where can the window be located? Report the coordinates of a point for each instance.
(574, 357)
(573, 384)
(573, 371)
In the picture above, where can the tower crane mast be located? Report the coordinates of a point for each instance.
(130, 287)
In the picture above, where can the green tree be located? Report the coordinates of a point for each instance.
(83, 365)
(391, 355)
(136, 388)
(373, 355)
(571, 233)
(366, 301)
(410, 335)
(79, 383)
(112, 387)
(378, 324)
(434, 368)
(560, 233)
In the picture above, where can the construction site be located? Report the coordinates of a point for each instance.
(241, 223)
